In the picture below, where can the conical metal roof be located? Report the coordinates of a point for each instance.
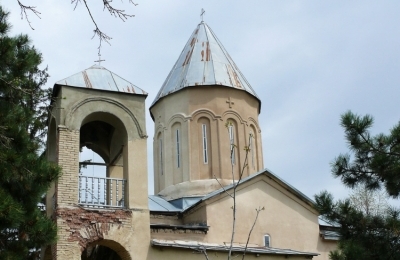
(98, 77)
(204, 61)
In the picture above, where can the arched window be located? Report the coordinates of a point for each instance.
(205, 146)
(160, 155)
(178, 148)
(204, 139)
(231, 131)
(251, 147)
(267, 241)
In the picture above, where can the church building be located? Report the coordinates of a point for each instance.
(207, 157)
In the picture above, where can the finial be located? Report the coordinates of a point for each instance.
(99, 60)
(202, 14)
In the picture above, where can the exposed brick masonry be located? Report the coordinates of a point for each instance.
(68, 158)
(86, 226)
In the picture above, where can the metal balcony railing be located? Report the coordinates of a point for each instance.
(100, 192)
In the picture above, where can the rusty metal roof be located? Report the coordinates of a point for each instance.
(204, 246)
(204, 61)
(98, 77)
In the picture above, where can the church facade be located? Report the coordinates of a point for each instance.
(207, 154)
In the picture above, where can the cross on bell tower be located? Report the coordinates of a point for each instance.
(99, 60)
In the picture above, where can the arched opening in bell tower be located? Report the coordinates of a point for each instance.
(102, 182)
(105, 250)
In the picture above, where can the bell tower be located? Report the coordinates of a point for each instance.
(103, 112)
(204, 112)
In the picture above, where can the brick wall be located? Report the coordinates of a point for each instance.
(68, 159)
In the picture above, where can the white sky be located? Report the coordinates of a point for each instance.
(309, 61)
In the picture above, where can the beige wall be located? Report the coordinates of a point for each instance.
(290, 222)
(189, 109)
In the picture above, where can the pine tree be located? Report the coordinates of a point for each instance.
(376, 160)
(25, 174)
(375, 165)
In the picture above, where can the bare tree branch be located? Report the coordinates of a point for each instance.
(203, 250)
(116, 12)
(222, 187)
(235, 185)
(113, 11)
(25, 8)
(251, 230)
(119, 13)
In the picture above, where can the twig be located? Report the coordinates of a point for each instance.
(116, 12)
(251, 230)
(102, 36)
(113, 11)
(203, 250)
(29, 8)
(223, 188)
(235, 185)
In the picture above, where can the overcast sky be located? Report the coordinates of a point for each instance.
(308, 61)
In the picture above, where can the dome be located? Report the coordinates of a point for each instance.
(204, 62)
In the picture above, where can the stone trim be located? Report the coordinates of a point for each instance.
(69, 116)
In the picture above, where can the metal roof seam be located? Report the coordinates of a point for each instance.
(211, 53)
(112, 76)
(158, 204)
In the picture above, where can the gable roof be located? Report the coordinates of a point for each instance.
(204, 62)
(198, 200)
(270, 175)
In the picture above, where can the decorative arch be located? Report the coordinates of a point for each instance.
(74, 120)
(230, 114)
(256, 125)
(203, 112)
(178, 118)
(160, 128)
